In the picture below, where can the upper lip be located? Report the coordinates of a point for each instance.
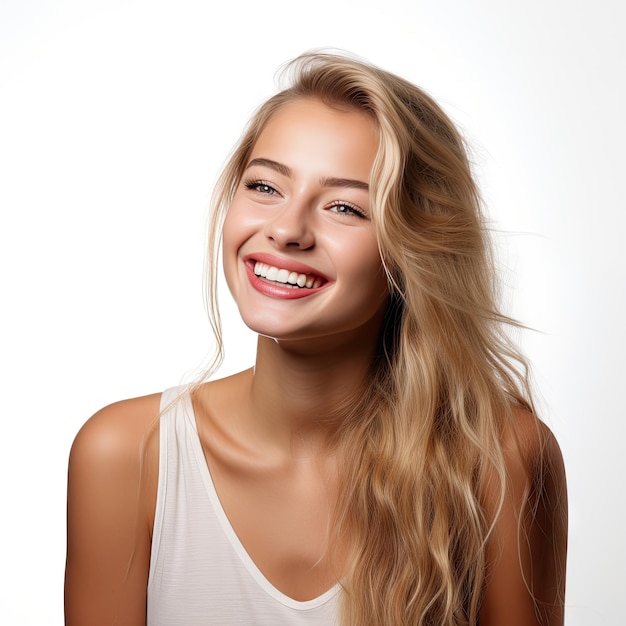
(283, 263)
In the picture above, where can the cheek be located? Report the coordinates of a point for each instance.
(233, 236)
(228, 243)
(365, 272)
(240, 223)
(366, 258)
(240, 226)
(377, 277)
(235, 231)
(228, 235)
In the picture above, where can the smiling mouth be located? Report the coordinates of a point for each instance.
(287, 278)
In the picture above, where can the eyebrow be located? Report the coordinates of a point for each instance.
(274, 165)
(325, 182)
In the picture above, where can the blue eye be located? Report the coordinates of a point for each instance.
(260, 187)
(343, 208)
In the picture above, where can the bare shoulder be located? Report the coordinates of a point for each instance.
(117, 430)
(118, 447)
(112, 478)
(531, 448)
(526, 553)
(535, 469)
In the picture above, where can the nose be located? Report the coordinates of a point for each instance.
(291, 227)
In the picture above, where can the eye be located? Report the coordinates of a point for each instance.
(345, 208)
(260, 186)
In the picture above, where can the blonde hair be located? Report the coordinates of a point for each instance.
(419, 443)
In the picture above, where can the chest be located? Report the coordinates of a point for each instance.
(282, 517)
(206, 570)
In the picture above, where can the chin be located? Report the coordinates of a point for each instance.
(270, 328)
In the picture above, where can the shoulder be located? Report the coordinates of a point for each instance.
(113, 473)
(532, 455)
(116, 431)
(526, 550)
(115, 454)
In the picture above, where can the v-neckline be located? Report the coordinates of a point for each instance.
(229, 531)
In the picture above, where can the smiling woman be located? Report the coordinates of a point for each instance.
(302, 210)
(382, 463)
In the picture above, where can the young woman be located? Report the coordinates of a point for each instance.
(382, 463)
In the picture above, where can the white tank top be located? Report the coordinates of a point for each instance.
(200, 574)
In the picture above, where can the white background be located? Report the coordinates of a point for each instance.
(115, 118)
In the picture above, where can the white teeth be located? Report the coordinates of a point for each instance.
(286, 277)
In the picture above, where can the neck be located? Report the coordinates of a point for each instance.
(300, 391)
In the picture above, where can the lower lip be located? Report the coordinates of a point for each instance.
(274, 290)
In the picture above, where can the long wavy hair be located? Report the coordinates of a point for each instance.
(420, 442)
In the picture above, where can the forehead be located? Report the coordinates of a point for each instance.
(309, 128)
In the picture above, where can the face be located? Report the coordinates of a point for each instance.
(300, 251)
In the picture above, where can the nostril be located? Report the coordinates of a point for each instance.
(302, 241)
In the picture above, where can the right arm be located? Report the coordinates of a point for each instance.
(113, 473)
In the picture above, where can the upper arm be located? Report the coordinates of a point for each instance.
(112, 478)
(526, 553)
